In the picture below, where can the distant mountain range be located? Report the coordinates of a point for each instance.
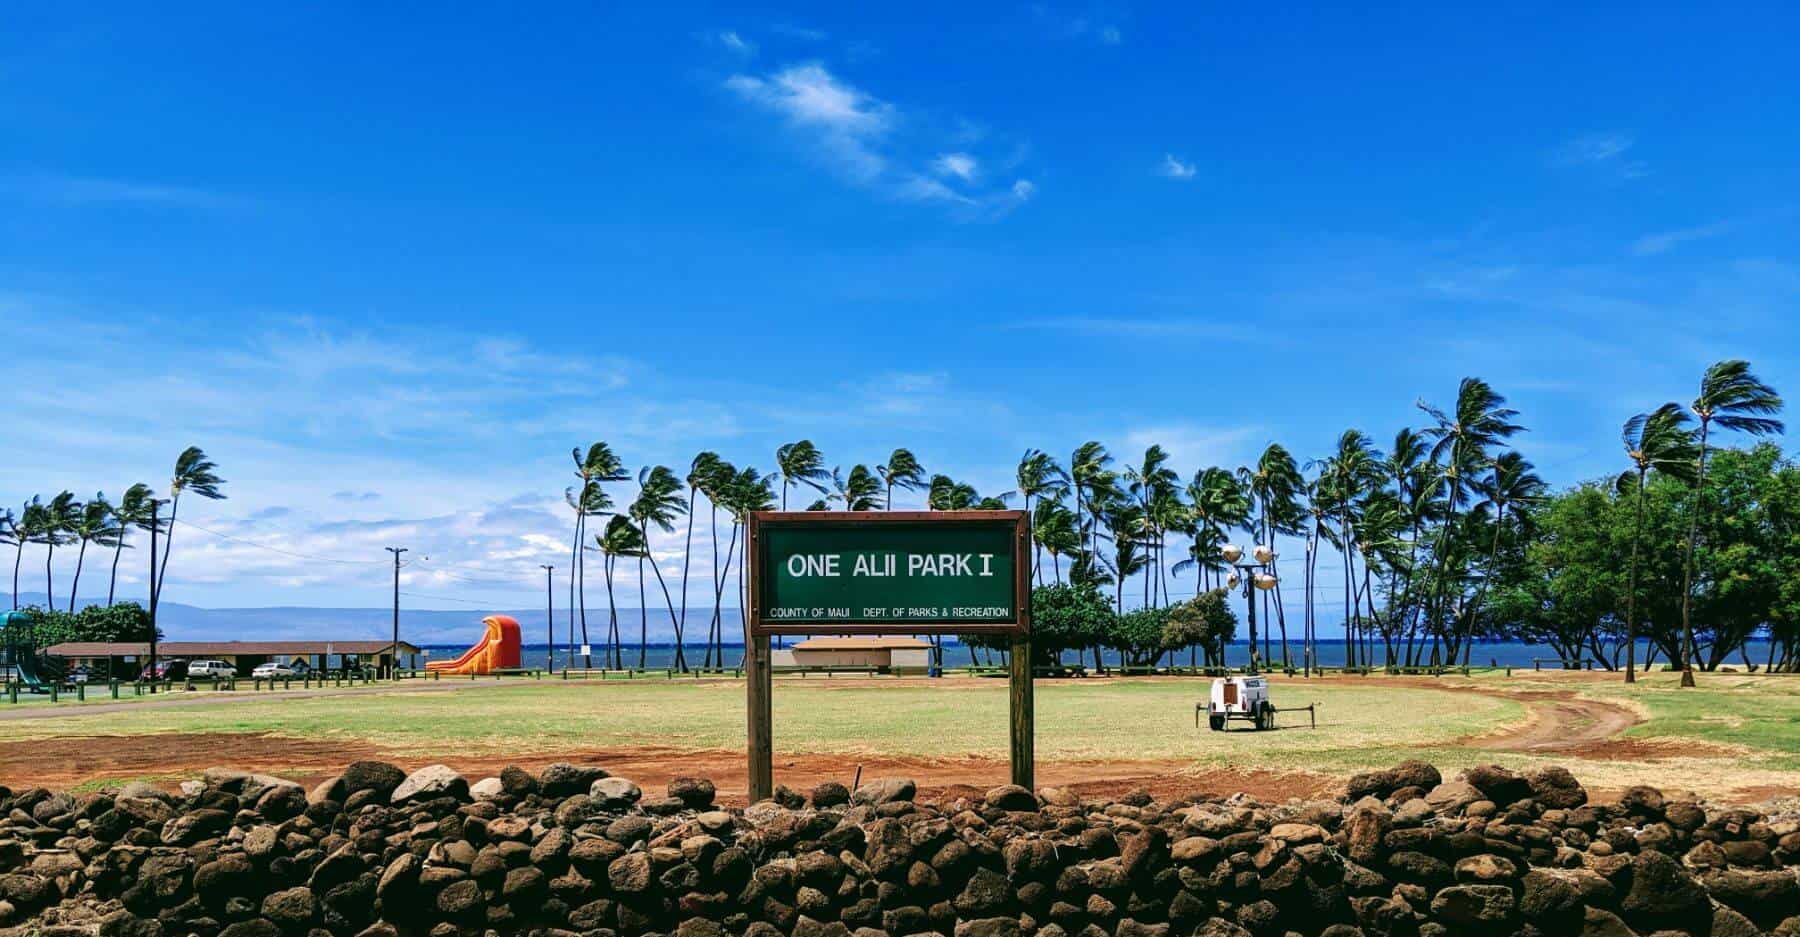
(417, 626)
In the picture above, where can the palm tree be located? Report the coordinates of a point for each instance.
(1039, 477)
(800, 463)
(98, 525)
(1734, 398)
(743, 495)
(1153, 484)
(619, 538)
(947, 494)
(1093, 483)
(196, 473)
(658, 502)
(701, 472)
(10, 537)
(1053, 528)
(860, 492)
(133, 510)
(587, 500)
(1349, 475)
(901, 470)
(1275, 483)
(1511, 483)
(59, 519)
(1460, 443)
(26, 529)
(1659, 441)
(593, 468)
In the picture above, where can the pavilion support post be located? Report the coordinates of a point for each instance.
(1023, 719)
(759, 686)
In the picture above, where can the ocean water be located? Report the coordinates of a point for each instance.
(1331, 654)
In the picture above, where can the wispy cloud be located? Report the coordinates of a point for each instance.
(843, 123)
(1603, 150)
(1174, 168)
(734, 42)
(85, 190)
(1665, 241)
(959, 165)
(1096, 24)
(868, 141)
(793, 31)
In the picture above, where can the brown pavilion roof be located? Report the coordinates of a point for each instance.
(223, 648)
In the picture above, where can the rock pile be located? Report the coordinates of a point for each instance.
(572, 850)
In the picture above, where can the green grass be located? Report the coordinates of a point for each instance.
(1077, 719)
(1747, 727)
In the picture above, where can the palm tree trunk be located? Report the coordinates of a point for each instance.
(49, 591)
(575, 577)
(1637, 535)
(1481, 591)
(75, 584)
(686, 555)
(612, 614)
(118, 549)
(1689, 651)
(18, 558)
(643, 616)
(168, 545)
(680, 641)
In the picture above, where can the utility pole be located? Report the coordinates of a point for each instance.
(155, 589)
(394, 651)
(549, 622)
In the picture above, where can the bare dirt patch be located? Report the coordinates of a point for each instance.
(67, 761)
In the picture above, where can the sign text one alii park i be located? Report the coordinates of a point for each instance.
(887, 572)
(961, 572)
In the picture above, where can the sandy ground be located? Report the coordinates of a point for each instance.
(1557, 724)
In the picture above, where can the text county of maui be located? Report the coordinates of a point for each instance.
(889, 565)
(896, 613)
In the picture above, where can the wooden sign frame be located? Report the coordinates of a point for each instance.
(758, 673)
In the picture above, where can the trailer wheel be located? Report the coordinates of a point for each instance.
(1217, 722)
(1265, 716)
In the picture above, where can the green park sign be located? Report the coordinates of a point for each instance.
(889, 572)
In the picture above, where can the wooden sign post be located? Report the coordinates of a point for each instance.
(887, 572)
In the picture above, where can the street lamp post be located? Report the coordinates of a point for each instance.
(1256, 571)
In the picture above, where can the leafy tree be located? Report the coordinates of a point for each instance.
(1138, 635)
(1206, 620)
(1067, 617)
(620, 538)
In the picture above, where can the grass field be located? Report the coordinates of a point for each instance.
(1736, 732)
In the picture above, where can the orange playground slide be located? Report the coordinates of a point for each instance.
(497, 650)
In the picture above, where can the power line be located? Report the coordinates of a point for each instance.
(292, 553)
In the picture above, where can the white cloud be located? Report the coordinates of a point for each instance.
(1602, 150)
(1193, 447)
(1175, 169)
(959, 165)
(736, 43)
(843, 122)
(868, 141)
(1665, 241)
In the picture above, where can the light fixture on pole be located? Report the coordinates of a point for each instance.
(1257, 571)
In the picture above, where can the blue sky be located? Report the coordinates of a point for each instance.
(389, 270)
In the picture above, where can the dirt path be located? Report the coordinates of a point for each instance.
(66, 761)
(1558, 721)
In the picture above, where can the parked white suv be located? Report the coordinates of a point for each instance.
(210, 668)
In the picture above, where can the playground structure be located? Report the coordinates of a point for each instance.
(22, 664)
(497, 650)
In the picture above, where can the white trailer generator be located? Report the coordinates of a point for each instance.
(1245, 698)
